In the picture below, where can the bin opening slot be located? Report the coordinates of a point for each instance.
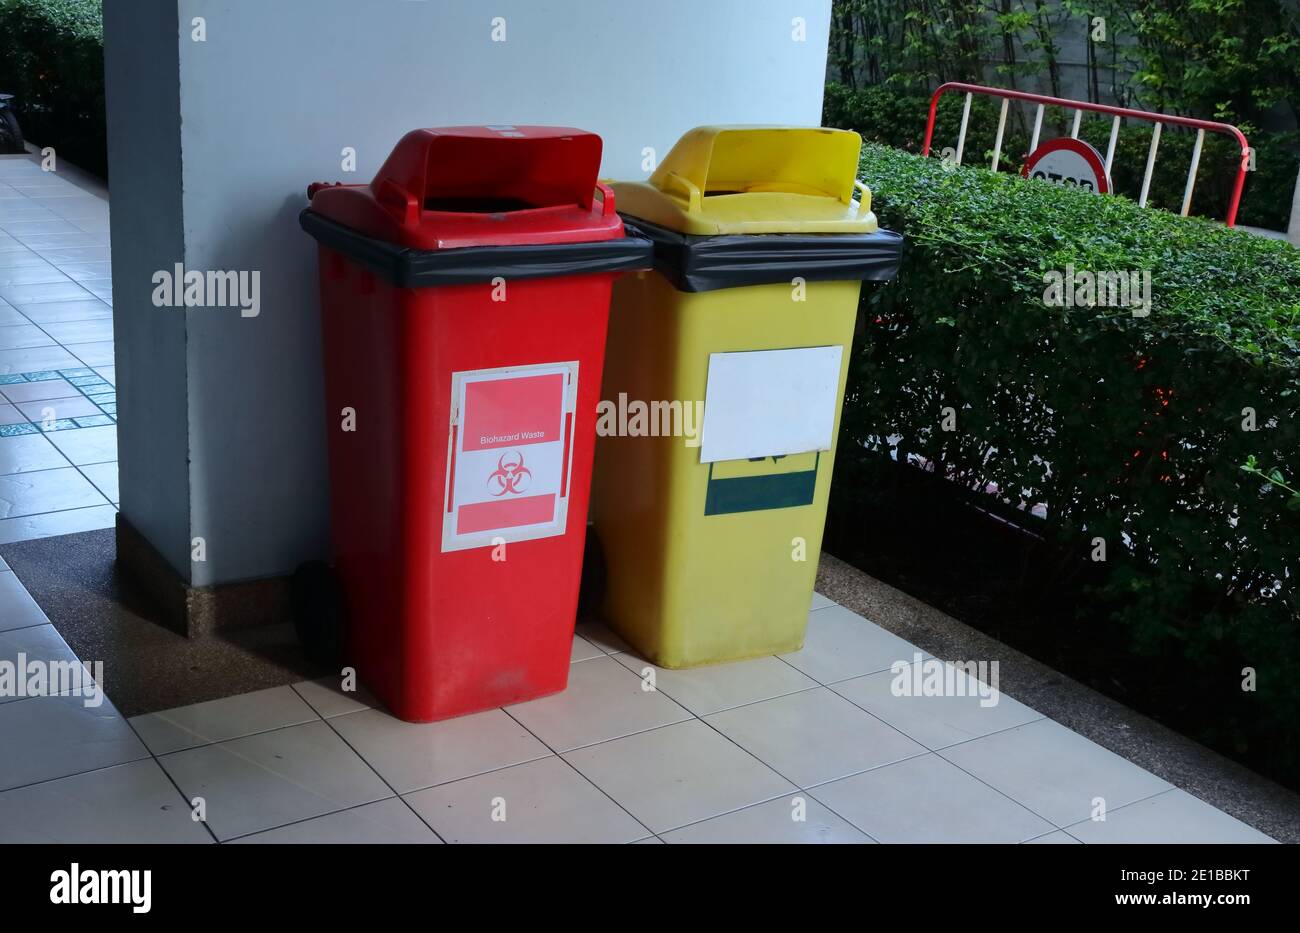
(482, 205)
(480, 175)
(778, 187)
(783, 160)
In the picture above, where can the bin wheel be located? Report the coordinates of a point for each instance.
(591, 589)
(318, 613)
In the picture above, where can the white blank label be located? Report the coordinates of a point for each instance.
(767, 403)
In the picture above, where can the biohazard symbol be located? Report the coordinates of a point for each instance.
(510, 475)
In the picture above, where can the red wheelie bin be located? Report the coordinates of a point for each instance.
(464, 298)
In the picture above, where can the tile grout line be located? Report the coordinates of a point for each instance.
(809, 788)
(757, 803)
(233, 738)
(171, 780)
(829, 686)
(68, 692)
(23, 628)
(560, 755)
(569, 764)
(48, 335)
(76, 508)
(161, 716)
(830, 689)
(68, 349)
(1041, 717)
(89, 296)
(423, 787)
(812, 788)
(998, 790)
(936, 752)
(975, 738)
(628, 735)
(319, 718)
(725, 709)
(36, 515)
(248, 760)
(148, 751)
(697, 718)
(1026, 806)
(841, 816)
(1132, 803)
(757, 759)
(93, 484)
(30, 304)
(64, 777)
(805, 788)
(366, 761)
(308, 819)
(1044, 836)
(53, 469)
(56, 343)
(374, 770)
(749, 806)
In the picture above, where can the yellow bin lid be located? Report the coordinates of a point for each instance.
(755, 179)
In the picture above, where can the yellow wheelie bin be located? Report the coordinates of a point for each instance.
(724, 377)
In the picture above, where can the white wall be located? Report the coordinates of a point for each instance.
(279, 88)
(144, 158)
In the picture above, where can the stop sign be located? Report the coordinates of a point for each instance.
(1067, 161)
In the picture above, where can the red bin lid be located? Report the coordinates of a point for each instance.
(459, 186)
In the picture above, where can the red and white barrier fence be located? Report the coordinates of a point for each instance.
(1079, 106)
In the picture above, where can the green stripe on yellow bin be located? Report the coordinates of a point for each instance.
(777, 482)
(763, 236)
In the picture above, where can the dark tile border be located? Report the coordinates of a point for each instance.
(92, 386)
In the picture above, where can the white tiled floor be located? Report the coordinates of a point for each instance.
(759, 751)
(55, 315)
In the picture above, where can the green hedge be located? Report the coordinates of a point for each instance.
(52, 61)
(1129, 428)
(884, 115)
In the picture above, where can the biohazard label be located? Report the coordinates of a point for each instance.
(508, 456)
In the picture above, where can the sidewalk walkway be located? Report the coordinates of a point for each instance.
(58, 403)
(807, 747)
